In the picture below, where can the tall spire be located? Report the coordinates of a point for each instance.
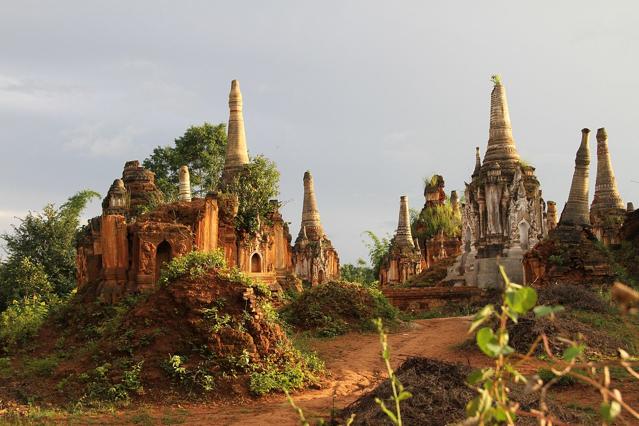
(501, 144)
(236, 153)
(311, 224)
(606, 193)
(403, 236)
(576, 209)
(477, 162)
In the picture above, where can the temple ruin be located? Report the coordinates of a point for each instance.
(607, 211)
(404, 259)
(440, 244)
(504, 213)
(570, 253)
(123, 250)
(575, 212)
(314, 258)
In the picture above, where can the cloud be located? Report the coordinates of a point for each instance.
(400, 144)
(38, 95)
(9, 215)
(97, 139)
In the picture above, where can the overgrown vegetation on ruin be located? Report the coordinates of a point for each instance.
(193, 265)
(208, 327)
(255, 187)
(436, 220)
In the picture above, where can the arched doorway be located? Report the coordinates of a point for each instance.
(320, 277)
(162, 257)
(256, 263)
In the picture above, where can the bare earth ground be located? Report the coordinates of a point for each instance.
(355, 368)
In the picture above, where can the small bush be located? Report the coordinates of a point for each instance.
(275, 375)
(271, 378)
(337, 307)
(192, 265)
(99, 386)
(193, 379)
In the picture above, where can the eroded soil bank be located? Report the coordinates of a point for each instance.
(354, 365)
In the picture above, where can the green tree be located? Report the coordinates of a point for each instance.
(43, 244)
(22, 278)
(202, 149)
(255, 186)
(377, 250)
(360, 272)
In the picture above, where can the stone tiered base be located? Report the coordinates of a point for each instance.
(469, 270)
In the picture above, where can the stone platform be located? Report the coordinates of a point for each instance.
(420, 299)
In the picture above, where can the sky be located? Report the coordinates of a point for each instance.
(371, 96)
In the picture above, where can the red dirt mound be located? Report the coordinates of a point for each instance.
(439, 397)
(216, 332)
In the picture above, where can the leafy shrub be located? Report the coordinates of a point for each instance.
(193, 379)
(271, 378)
(274, 375)
(21, 321)
(337, 307)
(192, 265)
(99, 386)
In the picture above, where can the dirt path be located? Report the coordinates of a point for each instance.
(355, 367)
